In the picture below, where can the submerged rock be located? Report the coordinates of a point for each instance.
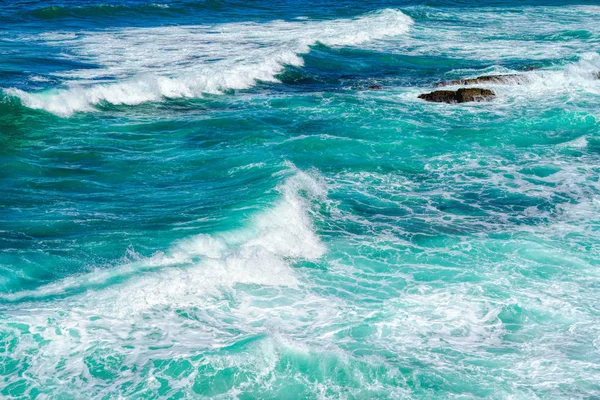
(375, 87)
(513, 79)
(529, 68)
(463, 95)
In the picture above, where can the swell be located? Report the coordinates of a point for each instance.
(99, 11)
(14, 114)
(10, 106)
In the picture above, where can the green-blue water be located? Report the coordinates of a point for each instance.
(204, 199)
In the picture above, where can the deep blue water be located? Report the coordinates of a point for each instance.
(205, 199)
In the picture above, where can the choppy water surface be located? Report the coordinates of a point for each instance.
(204, 199)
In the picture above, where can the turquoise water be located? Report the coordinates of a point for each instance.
(203, 199)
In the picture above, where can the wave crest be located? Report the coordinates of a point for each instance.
(149, 64)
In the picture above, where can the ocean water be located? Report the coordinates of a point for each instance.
(204, 199)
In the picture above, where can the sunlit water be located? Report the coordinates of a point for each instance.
(204, 199)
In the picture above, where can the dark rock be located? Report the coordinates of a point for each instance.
(514, 79)
(598, 75)
(463, 95)
(474, 94)
(440, 96)
(375, 87)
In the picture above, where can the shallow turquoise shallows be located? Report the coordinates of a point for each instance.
(248, 200)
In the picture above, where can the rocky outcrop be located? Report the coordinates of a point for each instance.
(440, 96)
(474, 94)
(463, 95)
(512, 79)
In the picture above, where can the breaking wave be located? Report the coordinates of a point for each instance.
(258, 254)
(150, 64)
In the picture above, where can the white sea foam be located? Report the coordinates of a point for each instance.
(148, 64)
(38, 78)
(579, 76)
(488, 33)
(579, 143)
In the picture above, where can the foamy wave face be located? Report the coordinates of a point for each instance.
(259, 254)
(148, 64)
